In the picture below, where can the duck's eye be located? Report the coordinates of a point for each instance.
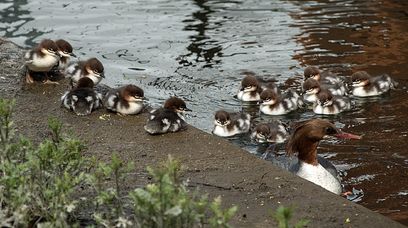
(65, 52)
(330, 131)
(95, 72)
(50, 50)
(357, 81)
(248, 87)
(309, 90)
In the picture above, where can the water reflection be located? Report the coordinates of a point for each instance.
(13, 18)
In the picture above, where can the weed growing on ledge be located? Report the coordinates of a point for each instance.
(283, 215)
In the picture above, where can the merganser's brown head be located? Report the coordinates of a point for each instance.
(360, 78)
(307, 135)
(311, 86)
(269, 97)
(249, 84)
(131, 93)
(312, 72)
(222, 118)
(64, 48)
(176, 104)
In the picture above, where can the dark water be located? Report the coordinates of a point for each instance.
(198, 50)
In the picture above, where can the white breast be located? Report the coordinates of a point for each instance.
(246, 96)
(224, 132)
(320, 176)
(361, 92)
(42, 64)
(134, 108)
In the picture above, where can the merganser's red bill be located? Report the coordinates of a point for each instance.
(345, 135)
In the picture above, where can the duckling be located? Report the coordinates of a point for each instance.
(83, 99)
(327, 104)
(322, 77)
(251, 88)
(65, 51)
(273, 132)
(311, 88)
(366, 86)
(167, 119)
(126, 100)
(275, 104)
(229, 124)
(92, 68)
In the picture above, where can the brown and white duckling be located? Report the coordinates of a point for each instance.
(40, 60)
(327, 104)
(91, 68)
(126, 100)
(65, 51)
(229, 124)
(82, 99)
(273, 132)
(304, 141)
(273, 103)
(322, 77)
(167, 119)
(251, 88)
(311, 88)
(366, 86)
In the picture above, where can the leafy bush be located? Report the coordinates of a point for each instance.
(37, 182)
(283, 215)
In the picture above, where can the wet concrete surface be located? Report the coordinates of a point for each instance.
(198, 49)
(213, 165)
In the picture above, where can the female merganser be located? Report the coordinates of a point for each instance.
(229, 124)
(327, 104)
(311, 88)
(251, 88)
(273, 132)
(92, 68)
(322, 77)
(167, 119)
(366, 86)
(126, 100)
(83, 99)
(40, 60)
(65, 51)
(304, 141)
(275, 104)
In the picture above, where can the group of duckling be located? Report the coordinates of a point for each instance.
(51, 59)
(324, 93)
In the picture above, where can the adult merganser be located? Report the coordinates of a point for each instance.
(312, 87)
(272, 132)
(327, 104)
(92, 68)
(40, 60)
(167, 119)
(276, 104)
(366, 86)
(126, 100)
(304, 141)
(229, 124)
(251, 88)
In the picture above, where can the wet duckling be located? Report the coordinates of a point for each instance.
(311, 88)
(229, 124)
(273, 132)
(126, 100)
(327, 104)
(322, 77)
(251, 88)
(275, 104)
(366, 86)
(167, 119)
(83, 99)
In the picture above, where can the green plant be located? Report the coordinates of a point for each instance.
(37, 182)
(283, 215)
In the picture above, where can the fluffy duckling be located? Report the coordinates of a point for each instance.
(83, 99)
(275, 104)
(229, 124)
(366, 86)
(327, 104)
(126, 100)
(251, 88)
(273, 132)
(91, 68)
(65, 51)
(325, 77)
(311, 88)
(167, 119)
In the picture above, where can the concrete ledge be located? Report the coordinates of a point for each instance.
(212, 164)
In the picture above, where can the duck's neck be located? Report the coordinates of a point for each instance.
(308, 152)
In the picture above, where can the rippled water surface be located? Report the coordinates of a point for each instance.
(199, 49)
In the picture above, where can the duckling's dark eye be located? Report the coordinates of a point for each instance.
(310, 90)
(330, 131)
(50, 50)
(357, 81)
(96, 72)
